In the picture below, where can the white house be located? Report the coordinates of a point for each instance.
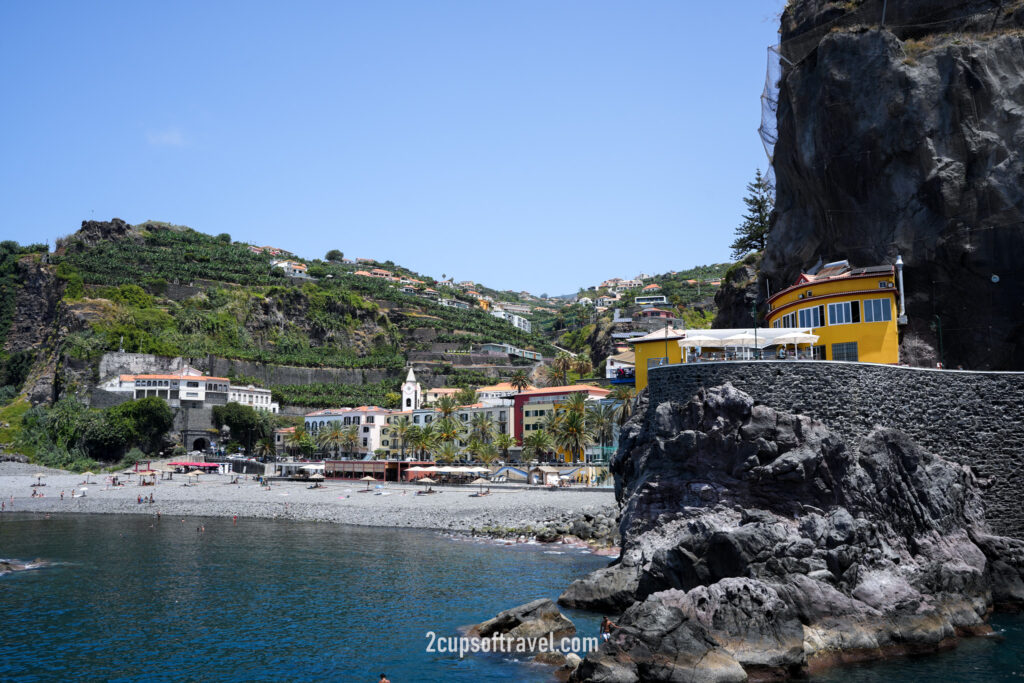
(187, 388)
(621, 365)
(516, 320)
(454, 303)
(252, 396)
(291, 268)
(369, 420)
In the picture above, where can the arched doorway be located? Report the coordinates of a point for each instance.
(200, 444)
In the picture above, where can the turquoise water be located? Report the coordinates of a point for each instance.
(974, 660)
(128, 599)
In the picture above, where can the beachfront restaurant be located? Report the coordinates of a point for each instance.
(382, 470)
(670, 346)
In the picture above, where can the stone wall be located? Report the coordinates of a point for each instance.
(976, 418)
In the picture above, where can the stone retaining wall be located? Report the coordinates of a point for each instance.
(976, 418)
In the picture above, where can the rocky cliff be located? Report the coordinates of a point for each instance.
(908, 138)
(758, 543)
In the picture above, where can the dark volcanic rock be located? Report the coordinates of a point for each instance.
(908, 140)
(535, 619)
(758, 542)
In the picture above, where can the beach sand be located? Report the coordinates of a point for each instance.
(337, 502)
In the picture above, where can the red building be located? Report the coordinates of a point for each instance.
(534, 405)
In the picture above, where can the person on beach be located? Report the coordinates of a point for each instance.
(606, 628)
(383, 679)
(62, 495)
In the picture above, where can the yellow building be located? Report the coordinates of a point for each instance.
(660, 347)
(852, 310)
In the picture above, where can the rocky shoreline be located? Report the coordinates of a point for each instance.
(758, 544)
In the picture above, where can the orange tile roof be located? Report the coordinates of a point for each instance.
(361, 272)
(503, 386)
(564, 389)
(652, 287)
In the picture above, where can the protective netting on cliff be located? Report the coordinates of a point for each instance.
(768, 130)
(900, 17)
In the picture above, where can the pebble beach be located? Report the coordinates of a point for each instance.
(451, 509)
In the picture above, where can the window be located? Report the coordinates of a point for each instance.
(408, 403)
(428, 419)
(840, 313)
(364, 442)
(369, 419)
(877, 310)
(789, 320)
(192, 385)
(811, 317)
(366, 430)
(845, 351)
(415, 419)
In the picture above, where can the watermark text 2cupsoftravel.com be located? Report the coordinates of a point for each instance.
(463, 645)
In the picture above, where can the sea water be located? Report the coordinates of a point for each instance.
(127, 598)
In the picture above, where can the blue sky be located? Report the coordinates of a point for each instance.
(521, 144)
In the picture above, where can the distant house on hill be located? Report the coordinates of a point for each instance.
(291, 268)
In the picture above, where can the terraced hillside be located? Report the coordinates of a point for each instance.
(167, 290)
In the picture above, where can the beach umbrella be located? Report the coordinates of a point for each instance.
(700, 340)
(38, 476)
(425, 480)
(741, 340)
(87, 475)
(368, 479)
(318, 477)
(481, 481)
(795, 338)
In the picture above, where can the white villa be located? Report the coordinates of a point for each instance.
(516, 320)
(369, 419)
(291, 268)
(255, 397)
(189, 388)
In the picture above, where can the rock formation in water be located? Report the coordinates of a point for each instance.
(907, 139)
(761, 543)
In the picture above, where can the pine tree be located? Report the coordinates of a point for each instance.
(752, 234)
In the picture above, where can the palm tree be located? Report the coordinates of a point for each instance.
(554, 376)
(581, 365)
(413, 437)
(563, 361)
(504, 442)
(627, 395)
(446, 406)
(474, 447)
(572, 434)
(537, 443)
(519, 380)
(265, 448)
(296, 440)
(350, 438)
(601, 419)
(447, 452)
(482, 426)
(331, 438)
(423, 439)
(487, 454)
(447, 428)
(575, 402)
(400, 428)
